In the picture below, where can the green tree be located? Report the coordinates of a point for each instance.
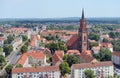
(89, 74)
(56, 46)
(7, 49)
(24, 48)
(18, 66)
(2, 59)
(24, 38)
(9, 68)
(71, 59)
(103, 55)
(1, 35)
(92, 44)
(64, 68)
(94, 36)
(10, 39)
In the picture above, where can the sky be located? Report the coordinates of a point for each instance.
(58, 8)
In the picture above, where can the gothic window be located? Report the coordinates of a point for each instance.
(84, 37)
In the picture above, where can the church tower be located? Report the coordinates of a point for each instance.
(82, 35)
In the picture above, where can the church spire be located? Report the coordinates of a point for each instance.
(83, 13)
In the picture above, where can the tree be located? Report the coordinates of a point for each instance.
(10, 39)
(7, 49)
(92, 44)
(18, 66)
(89, 74)
(56, 46)
(105, 40)
(2, 59)
(24, 48)
(9, 68)
(94, 36)
(71, 59)
(103, 55)
(64, 68)
(24, 38)
(1, 35)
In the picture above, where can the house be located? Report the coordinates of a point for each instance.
(31, 58)
(73, 52)
(106, 45)
(100, 69)
(95, 49)
(57, 57)
(16, 42)
(2, 39)
(86, 58)
(116, 58)
(36, 72)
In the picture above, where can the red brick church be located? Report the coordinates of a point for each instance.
(80, 41)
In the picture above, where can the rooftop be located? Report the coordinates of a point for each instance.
(92, 65)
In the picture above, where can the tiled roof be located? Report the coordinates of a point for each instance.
(2, 38)
(72, 40)
(92, 65)
(73, 52)
(86, 57)
(19, 29)
(35, 69)
(33, 54)
(106, 44)
(116, 54)
(58, 55)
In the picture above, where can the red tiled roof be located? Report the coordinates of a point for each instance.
(2, 38)
(73, 52)
(92, 65)
(72, 40)
(58, 55)
(19, 29)
(105, 44)
(33, 54)
(37, 69)
(87, 57)
(116, 54)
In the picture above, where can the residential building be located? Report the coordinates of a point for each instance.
(16, 42)
(116, 58)
(100, 69)
(107, 46)
(36, 72)
(57, 58)
(96, 49)
(32, 58)
(86, 58)
(2, 39)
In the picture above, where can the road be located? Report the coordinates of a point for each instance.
(12, 59)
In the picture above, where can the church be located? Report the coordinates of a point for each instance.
(80, 41)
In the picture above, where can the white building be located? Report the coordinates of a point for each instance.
(100, 69)
(16, 42)
(36, 72)
(116, 58)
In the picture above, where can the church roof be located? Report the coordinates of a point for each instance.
(72, 40)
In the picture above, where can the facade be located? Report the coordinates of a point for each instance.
(16, 42)
(2, 39)
(32, 58)
(100, 69)
(36, 72)
(80, 41)
(116, 58)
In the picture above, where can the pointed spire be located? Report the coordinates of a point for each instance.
(83, 13)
